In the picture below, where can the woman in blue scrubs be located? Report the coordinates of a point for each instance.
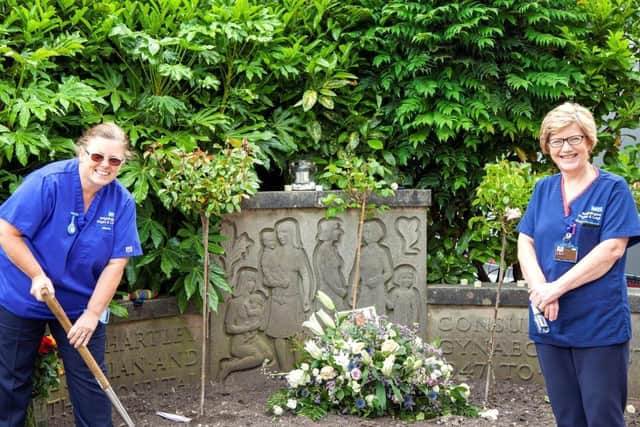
(70, 227)
(572, 250)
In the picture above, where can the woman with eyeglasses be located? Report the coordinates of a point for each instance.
(572, 250)
(70, 227)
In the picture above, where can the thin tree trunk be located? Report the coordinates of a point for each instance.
(205, 310)
(356, 276)
(492, 333)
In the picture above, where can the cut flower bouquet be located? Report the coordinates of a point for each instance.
(369, 368)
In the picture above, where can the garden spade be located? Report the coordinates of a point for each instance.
(57, 310)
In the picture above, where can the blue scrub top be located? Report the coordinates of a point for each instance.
(597, 313)
(43, 206)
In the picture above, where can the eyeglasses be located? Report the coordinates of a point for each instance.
(98, 158)
(572, 140)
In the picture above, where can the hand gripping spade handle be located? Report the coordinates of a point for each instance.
(57, 310)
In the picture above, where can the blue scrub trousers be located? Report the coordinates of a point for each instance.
(19, 341)
(587, 387)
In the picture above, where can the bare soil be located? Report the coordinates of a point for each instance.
(241, 401)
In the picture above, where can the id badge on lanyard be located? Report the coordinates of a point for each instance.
(566, 251)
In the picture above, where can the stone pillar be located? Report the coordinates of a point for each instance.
(281, 249)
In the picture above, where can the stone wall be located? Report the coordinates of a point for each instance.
(158, 349)
(460, 317)
(155, 349)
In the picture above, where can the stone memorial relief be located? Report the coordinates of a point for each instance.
(286, 272)
(244, 322)
(235, 247)
(404, 300)
(376, 267)
(278, 258)
(328, 264)
(409, 231)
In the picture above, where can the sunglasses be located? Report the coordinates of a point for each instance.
(98, 158)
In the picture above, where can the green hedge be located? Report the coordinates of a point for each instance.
(432, 89)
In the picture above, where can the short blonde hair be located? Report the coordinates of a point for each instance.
(107, 130)
(565, 115)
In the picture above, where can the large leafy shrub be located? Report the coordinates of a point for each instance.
(432, 90)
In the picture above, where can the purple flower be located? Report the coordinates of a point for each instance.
(360, 403)
(356, 374)
(432, 395)
(408, 403)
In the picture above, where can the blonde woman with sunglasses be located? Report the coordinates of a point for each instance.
(70, 227)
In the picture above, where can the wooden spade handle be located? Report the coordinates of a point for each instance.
(57, 310)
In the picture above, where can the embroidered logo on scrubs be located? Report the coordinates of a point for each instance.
(591, 217)
(128, 249)
(106, 222)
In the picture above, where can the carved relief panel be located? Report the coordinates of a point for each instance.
(289, 254)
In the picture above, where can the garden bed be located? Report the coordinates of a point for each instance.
(241, 402)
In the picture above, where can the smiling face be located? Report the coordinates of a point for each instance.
(96, 174)
(570, 159)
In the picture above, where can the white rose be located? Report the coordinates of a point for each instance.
(277, 410)
(357, 347)
(296, 378)
(369, 399)
(389, 346)
(327, 372)
(387, 365)
(355, 386)
(292, 403)
(394, 186)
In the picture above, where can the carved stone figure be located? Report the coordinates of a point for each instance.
(409, 231)
(376, 267)
(244, 321)
(286, 270)
(236, 248)
(328, 263)
(404, 299)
